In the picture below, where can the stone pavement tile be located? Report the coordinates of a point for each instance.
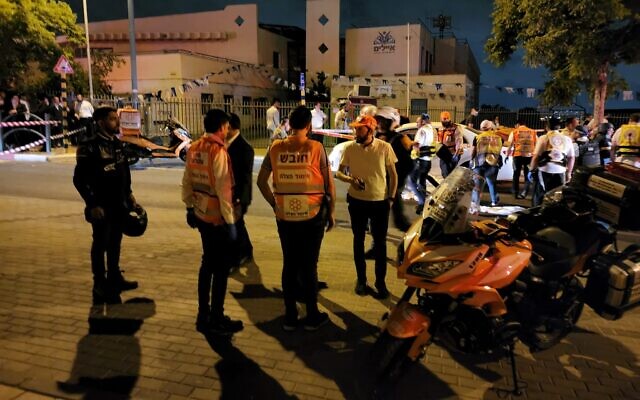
(205, 394)
(32, 396)
(165, 262)
(9, 392)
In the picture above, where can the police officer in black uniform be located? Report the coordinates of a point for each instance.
(103, 179)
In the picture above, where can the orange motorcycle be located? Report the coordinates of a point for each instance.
(479, 286)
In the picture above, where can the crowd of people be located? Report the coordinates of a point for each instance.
(19, 108)
(217, 181)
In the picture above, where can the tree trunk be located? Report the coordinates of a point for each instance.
(600, 94)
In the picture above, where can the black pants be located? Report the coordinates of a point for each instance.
(549, 182)
(399, 219)
(107, 237)
(217, 256)
(243, 245)
(521, 164)
(300, 242)
(361, 212)
(447, 167)
(420, 176)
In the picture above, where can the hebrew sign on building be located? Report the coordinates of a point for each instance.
(384, 43)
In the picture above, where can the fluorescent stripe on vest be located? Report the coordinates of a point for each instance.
(629, 140)
(488, 143)
(200, 164)
(298, 182)
(524, 140)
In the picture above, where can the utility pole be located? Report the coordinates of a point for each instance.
(86, 35)
(132, 55)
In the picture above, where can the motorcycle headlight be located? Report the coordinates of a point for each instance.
(432, 269)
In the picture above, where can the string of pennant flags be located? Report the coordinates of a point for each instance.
(385, 85)
(264, 71)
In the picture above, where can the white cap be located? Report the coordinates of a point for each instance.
(369, 110)
(486, 125)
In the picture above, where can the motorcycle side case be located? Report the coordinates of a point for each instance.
(616, 193)
(613, 285)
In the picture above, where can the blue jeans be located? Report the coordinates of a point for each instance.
(490, 174)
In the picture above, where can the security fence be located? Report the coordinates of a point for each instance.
(253, 115)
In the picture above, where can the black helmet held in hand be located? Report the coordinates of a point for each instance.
(135, 223)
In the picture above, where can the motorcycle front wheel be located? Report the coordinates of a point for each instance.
(183, 155)
(546, 327)
(389, 356)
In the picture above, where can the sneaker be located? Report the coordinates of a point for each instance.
(361, 288)
(290, 324)
(383, 292)
(315, 322)
(225, 326)
(117, 282)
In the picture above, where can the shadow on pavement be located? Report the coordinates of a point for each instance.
(337, 353)
(107, 363)
(241, 377)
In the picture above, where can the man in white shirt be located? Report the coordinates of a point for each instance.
(423, 146)
(368, 165)
(552, 161)
(318, 117)
(273, 116)
(84, 114)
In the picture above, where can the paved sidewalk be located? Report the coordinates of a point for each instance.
(54, 343)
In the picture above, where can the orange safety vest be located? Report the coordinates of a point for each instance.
(629, 140)
(447, 136)
(524, 140)
(200, 166)
(298, 182)
(488, 146)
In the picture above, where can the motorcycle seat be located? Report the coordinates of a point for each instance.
(557, 249)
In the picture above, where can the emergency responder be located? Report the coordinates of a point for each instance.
(522, 142)
(368, 166)
(303, 199)
(625, 143)
(552, 161)
(487, 161)
(207, 191)
(103, 179)
(450, 138)
(423, 149)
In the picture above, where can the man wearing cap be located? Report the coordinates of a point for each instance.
(423, 146)
(487, 160)
(552, 161)
(303, 200)
(388, 118)
(368, 165)
(450, 139)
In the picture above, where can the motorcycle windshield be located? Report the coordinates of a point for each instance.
(446, 212)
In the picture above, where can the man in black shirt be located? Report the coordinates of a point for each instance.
(103, 179)
(241, 154)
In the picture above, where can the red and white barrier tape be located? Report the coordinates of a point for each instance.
(9, 124)
(40, 142)
(339, 133)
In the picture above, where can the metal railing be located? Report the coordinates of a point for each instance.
(253, 115)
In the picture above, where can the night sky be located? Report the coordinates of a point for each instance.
(471, 20)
